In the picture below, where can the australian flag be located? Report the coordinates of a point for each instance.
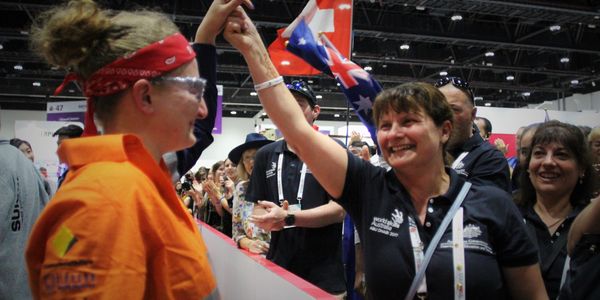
(357, 84)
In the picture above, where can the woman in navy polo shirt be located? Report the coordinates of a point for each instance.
(394, 210)
(557, 187)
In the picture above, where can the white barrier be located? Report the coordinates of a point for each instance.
(243, 275)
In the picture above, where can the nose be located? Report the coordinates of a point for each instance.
(202, 110)
(548, 159)
(397, 129)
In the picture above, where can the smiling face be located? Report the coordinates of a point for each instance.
(411, 139)
(553, 170)
(230, 168)
(177, 107)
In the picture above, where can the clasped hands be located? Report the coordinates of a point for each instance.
(269, 216)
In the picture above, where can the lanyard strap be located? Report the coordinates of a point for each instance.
(417, 246)
(420, 273)
(280, 181)
(459, 159)
(458, 255)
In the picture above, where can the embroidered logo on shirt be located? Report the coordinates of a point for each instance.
(63, 241)
(387, 226)
(471, 231)
(271, 172)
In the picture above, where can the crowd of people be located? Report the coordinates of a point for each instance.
(439, 211)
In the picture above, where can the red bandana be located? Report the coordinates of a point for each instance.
(151, 61)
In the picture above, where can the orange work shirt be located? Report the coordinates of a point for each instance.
(116, 229)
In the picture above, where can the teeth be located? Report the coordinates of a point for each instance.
(401, 148)
(549, 175)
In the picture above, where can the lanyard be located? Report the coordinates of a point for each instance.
(280, 184)
(418, 286)
(459, 159)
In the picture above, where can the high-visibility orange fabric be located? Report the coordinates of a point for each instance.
(116, 229)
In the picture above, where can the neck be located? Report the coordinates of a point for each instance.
(120, 127)
(424, 186)
(553, 207)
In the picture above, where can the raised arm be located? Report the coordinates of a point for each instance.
(326, 160)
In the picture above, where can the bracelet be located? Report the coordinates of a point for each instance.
(269, 83)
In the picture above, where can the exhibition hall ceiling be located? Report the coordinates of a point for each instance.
(513, 53)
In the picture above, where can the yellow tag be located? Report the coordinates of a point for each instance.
(63, 241)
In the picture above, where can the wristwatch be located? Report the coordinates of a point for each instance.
(289, 220)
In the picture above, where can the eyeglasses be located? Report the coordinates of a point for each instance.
(458, 83)
(194, 85)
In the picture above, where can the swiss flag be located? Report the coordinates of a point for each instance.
(330, 17)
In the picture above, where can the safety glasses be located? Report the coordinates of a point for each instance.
(194, 85)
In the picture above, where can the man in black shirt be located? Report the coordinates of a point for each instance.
(310, 244)
(474, 159)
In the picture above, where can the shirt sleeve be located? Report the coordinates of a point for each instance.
(493, 172)
(206, 56)
(513, 245)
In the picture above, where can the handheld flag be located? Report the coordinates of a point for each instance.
(330, 17)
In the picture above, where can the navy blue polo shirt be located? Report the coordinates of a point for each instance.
(584, 274)
(483, 165)
(546, 244)
(494, 232)
(315, 254)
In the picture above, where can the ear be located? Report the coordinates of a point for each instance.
(316, 111)
(446, 130)
(141, 92)
(474, 112)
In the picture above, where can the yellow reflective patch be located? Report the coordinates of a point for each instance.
(63, 241)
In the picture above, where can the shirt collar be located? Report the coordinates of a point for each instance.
(456, 183)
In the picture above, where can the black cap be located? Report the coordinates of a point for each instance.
(72, 131)
(301, 88)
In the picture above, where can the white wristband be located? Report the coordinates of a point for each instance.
(268, 83)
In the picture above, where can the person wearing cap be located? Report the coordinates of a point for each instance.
(305, 237)
(246, 234)
(116, 229)
(474, 158)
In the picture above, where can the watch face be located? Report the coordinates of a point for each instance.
(289, 220)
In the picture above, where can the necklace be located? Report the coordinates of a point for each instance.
(556, 222)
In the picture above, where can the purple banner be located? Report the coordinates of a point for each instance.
(218, 129)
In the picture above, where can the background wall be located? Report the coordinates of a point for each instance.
(504, 121)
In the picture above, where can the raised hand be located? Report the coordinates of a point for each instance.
(241, 33)
(214, 21)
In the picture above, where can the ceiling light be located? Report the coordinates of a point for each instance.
(554, 28)
(264, 113)
(597, 17)
(338, 84)
(404, 47)
(593, 83)
(309, 81)
(443, 73)
(489, 64)
(18, 67)
(253, 94)
(420, 7)
(488, 104)
(353, 53)
(37, 83)
(1, 46)
(233, 112)
(591, 26)
(510, 77)
(71, 91)
(285, 62)
(478, 98)
(384, 66)
(456, 17)
(489, 54)
(336, 115)
(574, 82)
(368, 68)
(24, 32)
(564, 60)
(526, 94)
(319, 97)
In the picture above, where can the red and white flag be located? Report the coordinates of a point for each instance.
(331, 17)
